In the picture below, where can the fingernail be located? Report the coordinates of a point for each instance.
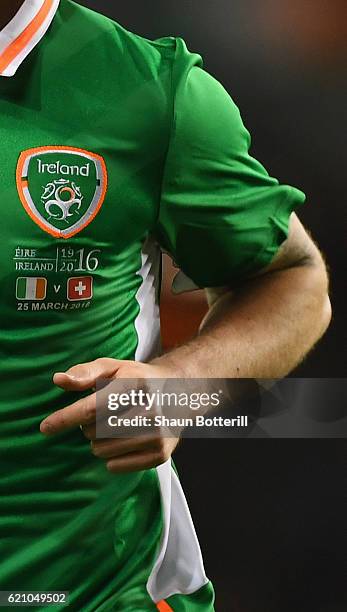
(46, 427)
(65, 374)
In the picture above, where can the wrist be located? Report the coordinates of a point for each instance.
(178, 364)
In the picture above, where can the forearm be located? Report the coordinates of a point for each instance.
(261, 331)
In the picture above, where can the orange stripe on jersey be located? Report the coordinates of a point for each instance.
(25, 37)
(164, 607)
(41, 288)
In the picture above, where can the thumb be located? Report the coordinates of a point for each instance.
(85, 375)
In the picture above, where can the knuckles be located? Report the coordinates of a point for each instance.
(161, 448)
(161, 458)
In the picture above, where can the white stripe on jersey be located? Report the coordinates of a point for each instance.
(22, 19)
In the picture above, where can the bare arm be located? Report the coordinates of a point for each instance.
(260, 330)
(266, 327)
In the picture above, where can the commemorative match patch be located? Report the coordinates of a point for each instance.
(61, 188)
(80, 288)
(29, 288)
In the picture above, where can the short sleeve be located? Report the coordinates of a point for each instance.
(222, 217)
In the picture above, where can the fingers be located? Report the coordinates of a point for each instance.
(84, 376)
(80, 378)
(135, 462)
(134, 455)
(82, 412)
(89, 431)
(110, 448)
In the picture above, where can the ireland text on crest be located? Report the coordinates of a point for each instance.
(61, 188)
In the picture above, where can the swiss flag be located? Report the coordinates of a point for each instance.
(80, 288)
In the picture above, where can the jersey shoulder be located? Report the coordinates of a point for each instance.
(96, 27)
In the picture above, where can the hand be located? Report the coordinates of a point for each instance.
(121, 454)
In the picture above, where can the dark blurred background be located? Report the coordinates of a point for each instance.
(271, 513)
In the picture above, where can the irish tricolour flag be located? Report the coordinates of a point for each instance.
(29, 288)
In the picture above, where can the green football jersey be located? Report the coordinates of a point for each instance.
(113, 148)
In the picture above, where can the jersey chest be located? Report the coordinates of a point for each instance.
(79, 190)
